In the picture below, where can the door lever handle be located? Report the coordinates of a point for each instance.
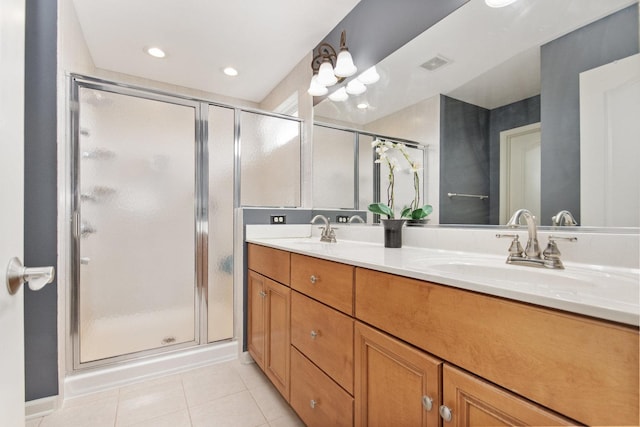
(37, 277)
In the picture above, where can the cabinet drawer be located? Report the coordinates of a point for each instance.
(315, 397)
(580, 367)
(325, 336)
(326, 281)
(269, 262)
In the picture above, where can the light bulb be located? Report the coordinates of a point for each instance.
(498, 3)
(356, 87)
(344, 65)
(156, 52)
(339, 95)
(325, 74)
(230, 71)
(315, 88)
(370, 76)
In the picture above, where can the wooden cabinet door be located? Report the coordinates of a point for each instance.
(475, 402)
(395, 384)
(255, 317)
(277, 327)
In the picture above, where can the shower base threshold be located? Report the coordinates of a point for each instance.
(109, 377)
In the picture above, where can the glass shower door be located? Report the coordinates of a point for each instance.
(135, 224)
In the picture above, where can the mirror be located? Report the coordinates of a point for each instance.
(456, 90)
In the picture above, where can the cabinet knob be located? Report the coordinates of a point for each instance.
(427, 402)
(314, 334)
(313, 279)
(313, 404)
(263, 294)
(445, 413)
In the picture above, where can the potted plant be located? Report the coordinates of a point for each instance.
(413, 212)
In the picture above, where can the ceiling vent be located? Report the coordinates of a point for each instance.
(436, 62)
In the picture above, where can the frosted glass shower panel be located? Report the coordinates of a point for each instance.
(270, 160)
(136, 172)
(333, 167)
(221, 158)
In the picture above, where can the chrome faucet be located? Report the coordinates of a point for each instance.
(356, 218)
(328, 234)
(530, 256)
(532, 250)
(563, 217)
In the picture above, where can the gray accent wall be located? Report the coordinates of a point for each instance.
(464, 161)
(40, 201)
(611, 38)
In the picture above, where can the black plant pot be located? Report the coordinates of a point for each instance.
(393, 232)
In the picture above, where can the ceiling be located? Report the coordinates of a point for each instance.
(494, 57)
(263, 40)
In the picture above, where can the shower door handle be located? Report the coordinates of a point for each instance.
(37, 277)
(85, 260)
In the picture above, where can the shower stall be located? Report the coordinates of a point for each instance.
(154, 182)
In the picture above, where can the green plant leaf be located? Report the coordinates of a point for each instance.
(381, 209)
(421, 212)
(406, 213)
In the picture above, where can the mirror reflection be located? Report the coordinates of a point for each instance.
(500, 109)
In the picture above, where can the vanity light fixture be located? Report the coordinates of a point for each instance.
(330, 68)
(369, 76)
(156, 52)
(498, 3)
(230, 71)
(356, 87)
(339, 95)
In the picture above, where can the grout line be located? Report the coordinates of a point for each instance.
(186, 401)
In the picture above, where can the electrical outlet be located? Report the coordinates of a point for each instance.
(343, 219)
(278, 219)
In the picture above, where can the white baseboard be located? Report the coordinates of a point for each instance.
(40, 407)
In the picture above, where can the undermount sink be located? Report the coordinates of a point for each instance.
(569, 284)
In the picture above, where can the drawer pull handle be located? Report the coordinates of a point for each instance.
(445, 413)
(263, 294)
(314, 334)
(313, 279)
(313, 404)
(427, 402)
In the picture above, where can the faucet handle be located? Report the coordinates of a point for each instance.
(516, 248)
(552, 253)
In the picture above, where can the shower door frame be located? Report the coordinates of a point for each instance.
(201, 216)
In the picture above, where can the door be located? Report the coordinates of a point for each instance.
(255, 317)
(609, 128)
(470, 401)
(135, 212)
(11, 214)
(395, 384)
(520, 162)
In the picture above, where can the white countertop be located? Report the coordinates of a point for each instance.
(603, 292)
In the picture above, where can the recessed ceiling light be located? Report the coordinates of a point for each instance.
(498, 3)
(156, 52)
(230, 71)
(363, 106)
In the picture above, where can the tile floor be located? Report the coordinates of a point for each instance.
(226, 394)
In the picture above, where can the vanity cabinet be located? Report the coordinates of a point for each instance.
(269, 315)
(373, 348)
(580, 367)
